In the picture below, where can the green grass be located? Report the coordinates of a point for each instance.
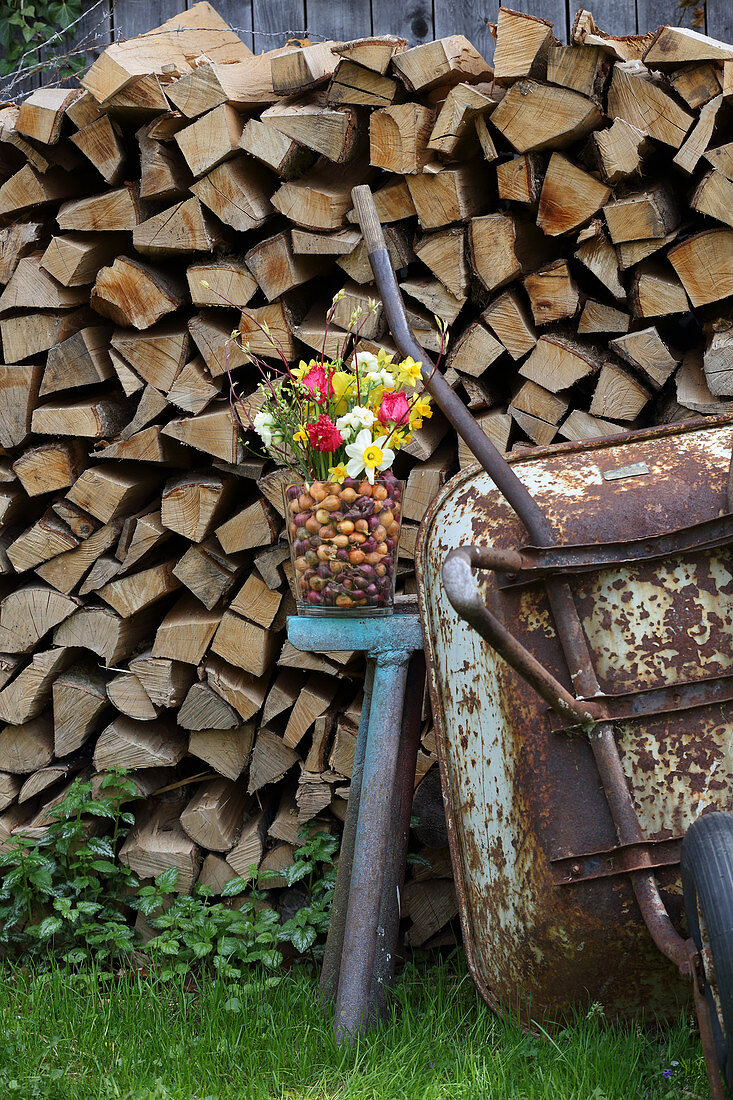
(67, 1036)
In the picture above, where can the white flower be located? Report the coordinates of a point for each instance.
(364, 454)
(382, 377)
(354, 421)
(366, 361)
(264, 425)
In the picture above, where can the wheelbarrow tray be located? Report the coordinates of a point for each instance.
(546, 906)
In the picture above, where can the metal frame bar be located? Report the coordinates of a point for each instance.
(359, 959)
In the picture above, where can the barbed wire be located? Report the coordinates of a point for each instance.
(102, 35)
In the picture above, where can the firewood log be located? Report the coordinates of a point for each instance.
(566, 116)
(227, 751)
(445, 62)
(214, 816)
(79, 701)
(330, 131)
(158, 844)
(25, 748)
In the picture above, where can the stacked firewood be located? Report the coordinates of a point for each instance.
(567, 214)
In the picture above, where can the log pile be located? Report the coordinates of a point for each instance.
(566, 213)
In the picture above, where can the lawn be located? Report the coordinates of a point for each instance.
(77, 1036)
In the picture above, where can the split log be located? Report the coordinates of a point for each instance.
(131, 293)
(158, 844)
(79, 699)
(210, 140)
(238, 192)
(125, 743)
(25, 748)
(165, 681)
(704, 263)
(186, 631)
(566, 116)
(271, 759)
(214, 816)
(227, 751)
(399, 136)
(246, 856)
(557, 363)
(522, 45)
(618, 395)
(117, 211)
(330, 131)
(445, 62)
(569, 197)
(644, 104)
(129, 696)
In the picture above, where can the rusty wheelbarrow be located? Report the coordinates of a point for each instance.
(586, 751)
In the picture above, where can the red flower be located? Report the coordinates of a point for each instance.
(318, 384)
(395, 408)
(324, 435)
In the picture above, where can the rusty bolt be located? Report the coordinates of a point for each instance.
(575, 870)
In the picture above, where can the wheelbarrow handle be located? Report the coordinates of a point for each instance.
(465, 597)
(456, 412)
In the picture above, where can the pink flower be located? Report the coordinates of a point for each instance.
(324, 435)
(318, 384)
(395, 408)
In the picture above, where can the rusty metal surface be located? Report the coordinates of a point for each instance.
(531, 562)
(521, 795)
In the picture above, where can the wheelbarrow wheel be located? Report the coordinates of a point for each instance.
(707, 883)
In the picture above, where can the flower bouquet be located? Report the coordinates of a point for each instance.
(338, 426)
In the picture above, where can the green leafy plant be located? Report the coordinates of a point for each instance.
(65, 894)
(316, 852)
(27, 25)
(194, 930)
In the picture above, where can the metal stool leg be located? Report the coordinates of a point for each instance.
(354, 1004)
(394, 878)
(335, 942)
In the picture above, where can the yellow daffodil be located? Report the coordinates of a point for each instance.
(397, 437)
(408, 372)
(337, 473)
(301, 436)
(344, 387)
(302, 368)
(419, 410)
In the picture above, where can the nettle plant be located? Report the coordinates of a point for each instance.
(28, 25)
(197, 930)
(65, 895)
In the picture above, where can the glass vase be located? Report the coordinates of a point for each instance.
(343, 544)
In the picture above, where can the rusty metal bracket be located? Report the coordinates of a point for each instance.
(532, 563)
(683, 695)
(617, 861)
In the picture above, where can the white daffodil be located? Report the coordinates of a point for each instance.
(367, 456)
(366, 361)
(264, 425)
(380, 377)
(356, 419)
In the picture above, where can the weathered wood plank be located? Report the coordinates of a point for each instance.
(719, 20)
(414, 21)
(468, 18)
(338, 21)
(274, 24)
(133, 17)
